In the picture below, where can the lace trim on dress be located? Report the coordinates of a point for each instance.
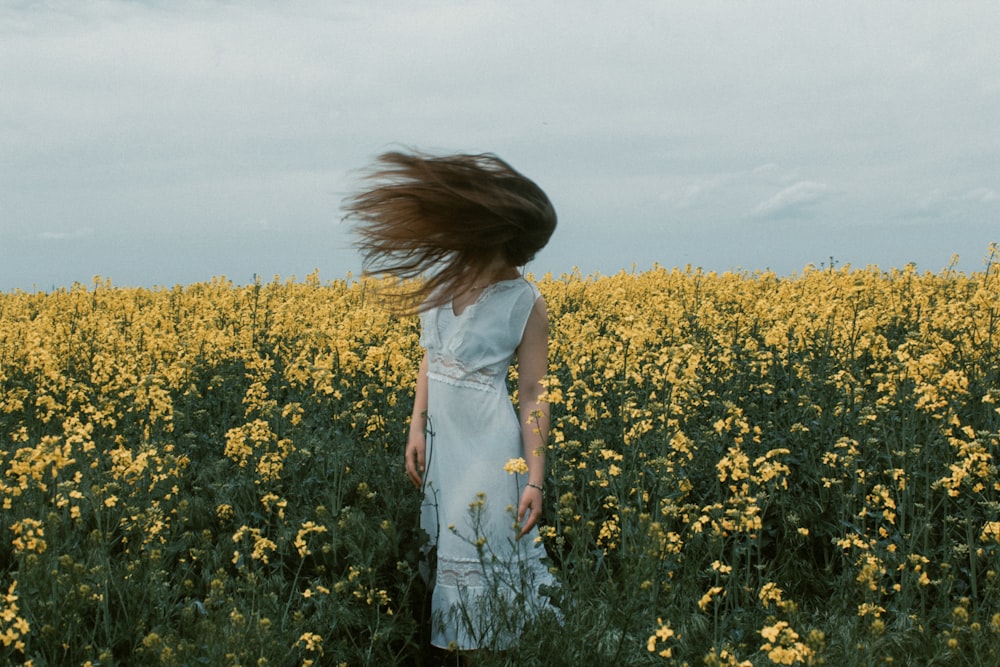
(451, 371)
(520, 576)
(460, 573)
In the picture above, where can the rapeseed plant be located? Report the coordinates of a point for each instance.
(211, 473)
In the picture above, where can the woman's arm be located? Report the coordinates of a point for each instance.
(416, 442)
(532, 366)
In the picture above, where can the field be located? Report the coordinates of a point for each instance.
(745, 469)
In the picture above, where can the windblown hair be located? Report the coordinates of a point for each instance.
(437, 223)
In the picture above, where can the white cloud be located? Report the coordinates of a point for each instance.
(949, 205)
(792, 200)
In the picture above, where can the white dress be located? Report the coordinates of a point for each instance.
(486, 583)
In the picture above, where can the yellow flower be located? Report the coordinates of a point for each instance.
(772, 632)
(721, 568)
(300, 538)
(991, 532)
(516, 466)
(769, 593)
(312, 642)
(706, 599)
(662, 634)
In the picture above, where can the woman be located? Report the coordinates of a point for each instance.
(458, 229)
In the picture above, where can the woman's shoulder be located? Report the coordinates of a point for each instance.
(529, 286)
(520, 290)
(521, 284)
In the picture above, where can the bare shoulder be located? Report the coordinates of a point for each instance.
(536, 329)
(539, 307)
(539, 315)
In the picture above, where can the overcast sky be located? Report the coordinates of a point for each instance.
(167, 142)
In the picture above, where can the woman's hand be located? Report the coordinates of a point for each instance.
(416, 450)
(531, 506)
(416, 443)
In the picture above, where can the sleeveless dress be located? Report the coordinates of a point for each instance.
(486, 583)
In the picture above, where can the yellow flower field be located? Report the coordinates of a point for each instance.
(744, 469)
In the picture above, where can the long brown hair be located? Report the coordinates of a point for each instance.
(436, 223)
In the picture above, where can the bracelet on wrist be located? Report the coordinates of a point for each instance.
(535, 486)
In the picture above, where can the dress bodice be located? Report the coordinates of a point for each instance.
(474, 348)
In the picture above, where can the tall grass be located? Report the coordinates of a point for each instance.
(744, 469)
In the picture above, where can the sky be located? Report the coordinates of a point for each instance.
(167, 142)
